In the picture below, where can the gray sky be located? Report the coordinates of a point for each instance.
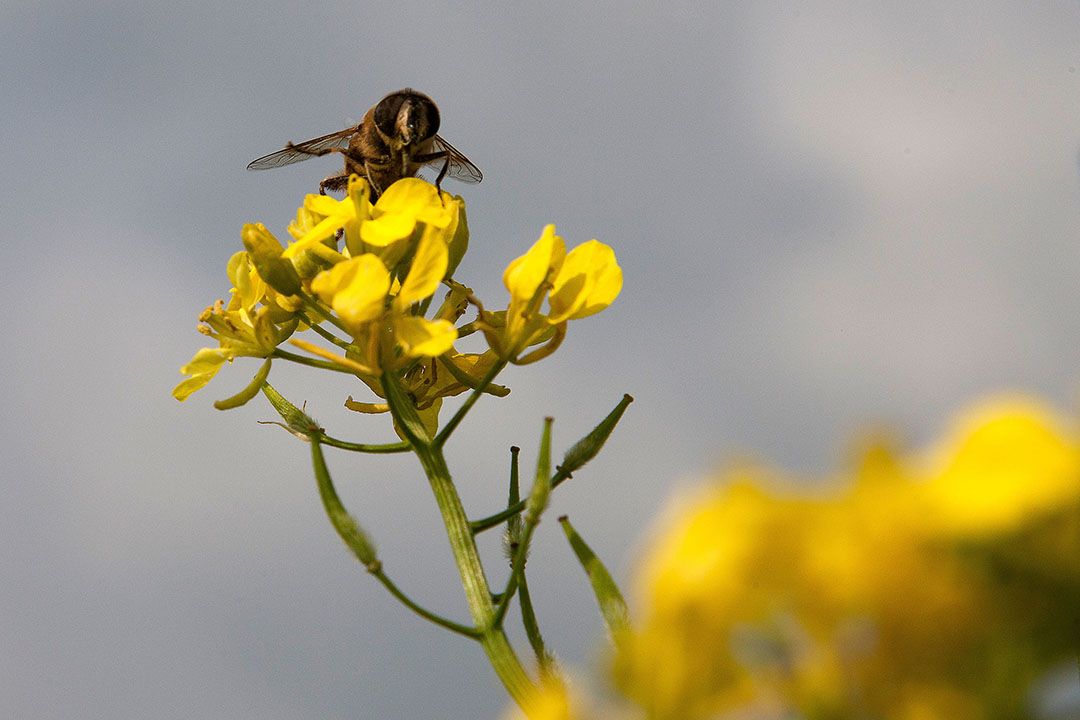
(828, 216)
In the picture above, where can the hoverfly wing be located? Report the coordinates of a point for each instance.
(303, 151)
(460, 167)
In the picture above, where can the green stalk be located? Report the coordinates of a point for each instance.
(477, 591)
(310, 362)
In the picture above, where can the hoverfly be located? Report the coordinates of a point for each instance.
(396, 138)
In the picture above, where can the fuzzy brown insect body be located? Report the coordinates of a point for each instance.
(396, 138)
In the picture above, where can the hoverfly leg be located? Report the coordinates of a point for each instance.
(335, 183)
(442, 174)
(440, 155)
(376, 191)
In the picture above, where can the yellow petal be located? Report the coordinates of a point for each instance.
(323, 230)
(426, 271)
(419, 337)
(249, 288)
(303, 222)
(359, 194)
(366, 408)
(524, 275)
(457, 234)
(332, 215)
(387, 229)
(355, 288)
(202, 368)
(588, 281)
(325, 205)
(416, 198)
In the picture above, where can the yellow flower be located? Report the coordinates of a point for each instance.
(320, 218)
(372, 270)
(254, 322)
(580, 283)
(699, 579)
(417, 200)
(524, 275)
(361, 289)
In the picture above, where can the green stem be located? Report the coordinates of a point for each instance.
(512, 541)
(361, 544)
(479, 526)
(329, 336)
(477, 591)
(532, 627)
(324, 312)
(421, 611)
(397, 447)
(470, 382)
(311, 362)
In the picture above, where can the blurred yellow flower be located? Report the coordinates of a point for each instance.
(939, 585)
(552, 701)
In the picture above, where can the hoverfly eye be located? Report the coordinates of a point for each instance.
(428, 122)
(387, 110)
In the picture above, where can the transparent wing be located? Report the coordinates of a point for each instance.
(460, 167)
(302, 151)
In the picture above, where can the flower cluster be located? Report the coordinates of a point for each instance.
(936, 585)
(363, 277)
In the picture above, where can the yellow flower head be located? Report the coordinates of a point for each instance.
(364, 275)
(576, 284)
(410, 233)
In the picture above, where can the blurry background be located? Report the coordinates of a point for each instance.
(829, 217)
